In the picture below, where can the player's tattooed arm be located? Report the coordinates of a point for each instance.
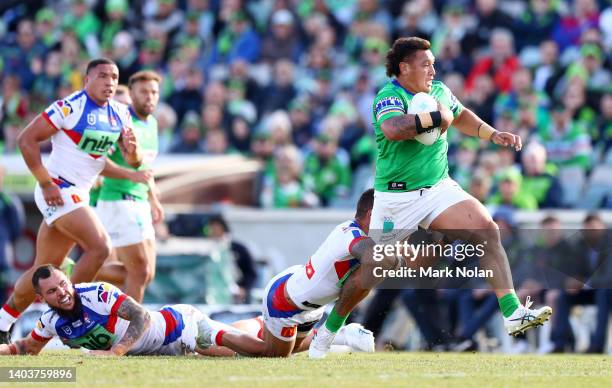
(402, 127)
(139, 319)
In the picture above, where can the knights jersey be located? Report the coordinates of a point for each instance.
(99, 327)
(319, 281)
(85, 133)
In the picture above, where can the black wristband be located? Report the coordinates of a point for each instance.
(436, 119)
(417, 124)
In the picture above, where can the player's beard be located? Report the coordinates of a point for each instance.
(76, 310)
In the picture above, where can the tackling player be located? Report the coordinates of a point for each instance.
(295, 299)
(413, 187)
(99, 317)
(129, 209)
(82, 128)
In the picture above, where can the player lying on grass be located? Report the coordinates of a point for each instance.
(295, 299)
(99, 317)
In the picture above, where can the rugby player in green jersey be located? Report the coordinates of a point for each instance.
(129, 209)
(413, 188)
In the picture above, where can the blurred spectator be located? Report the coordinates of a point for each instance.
(13, 102)
(301, 121)
(47, 83)
(567, 142)
(583, 15)
(189, 97)
(12, 221)
(547, 66)
(85, 24)
(510, 192)
(327, 170)
(166, 124)
(237, 40)
(116, 21)
(239, 136)
(409, 22)
(480, 185)
(218, 229)
(501, 62)
(489, 17)
(122, 94)
(538, 180)
(286, 190)
(18, 56)
(538, 20)
(281, 90)
(282, 41)
(464, 161)
(216, 142)
(190, 140)
(588, 270)
(604, 125)
(46, 27)
(590, 68)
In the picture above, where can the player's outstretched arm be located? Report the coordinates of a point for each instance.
(470, 124)
(25, 346)
(139, 319)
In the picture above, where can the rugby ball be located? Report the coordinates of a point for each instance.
(423, 102)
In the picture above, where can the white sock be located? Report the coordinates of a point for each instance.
(6, 319)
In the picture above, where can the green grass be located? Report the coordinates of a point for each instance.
(338, 370)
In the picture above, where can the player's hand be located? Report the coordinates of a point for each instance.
(52, 194)
(447, 117)
(128, 140)
(157, 211)
(507, 139)
(142, 176)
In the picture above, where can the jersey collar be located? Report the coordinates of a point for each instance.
(396, 83)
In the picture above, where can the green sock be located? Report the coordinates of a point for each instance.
(334, 321)
(508, 303)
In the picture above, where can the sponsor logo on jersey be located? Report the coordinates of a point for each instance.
(309, 269)
(50, 211)
(75, 198)
(65, 107)
(387, 105)
(91, 119)
(77, 323)
(104, 292)
(103, 118)
(40, 325)
(96, 142)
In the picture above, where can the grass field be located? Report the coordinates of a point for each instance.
(338, 370)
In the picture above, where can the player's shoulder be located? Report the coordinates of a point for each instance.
(48, 317)
(97, 292)
(438, 86)
(350, 228)
(388, 89)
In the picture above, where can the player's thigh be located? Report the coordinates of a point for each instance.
(127, 222)
(134, 257)
(83, 226)
(464, 220)
(275, 346)
(52, 246)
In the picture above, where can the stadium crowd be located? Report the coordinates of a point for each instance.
(292, 82)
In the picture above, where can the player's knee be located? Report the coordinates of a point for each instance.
(487, 230)
(100, 251)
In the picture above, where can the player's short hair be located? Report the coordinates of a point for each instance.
(99, 61)
(402, 50)
(365, 203)
(144, 75)
(42, 272)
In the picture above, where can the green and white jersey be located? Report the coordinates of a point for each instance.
(119, 189)
(409, 165)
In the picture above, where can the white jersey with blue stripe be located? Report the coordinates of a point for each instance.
(85, 133)
(319, 281)
(98, 327)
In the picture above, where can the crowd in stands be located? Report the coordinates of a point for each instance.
(291, 83)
